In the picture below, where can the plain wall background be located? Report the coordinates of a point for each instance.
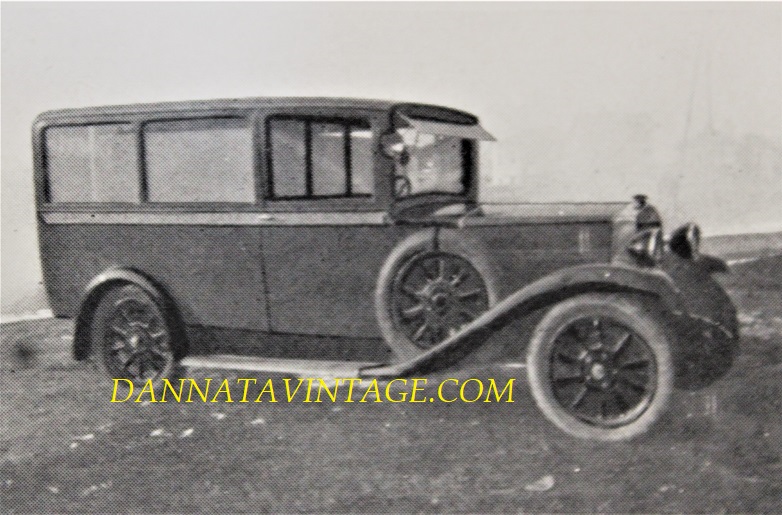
(588, 101)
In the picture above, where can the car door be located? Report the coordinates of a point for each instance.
(327, 235)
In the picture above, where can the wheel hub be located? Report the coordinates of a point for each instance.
(134, 340)
(138, 338)
(602, 372)
(438, 294)
(438, 299)
(598, 371)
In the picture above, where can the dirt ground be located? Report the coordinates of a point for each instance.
(66, 448)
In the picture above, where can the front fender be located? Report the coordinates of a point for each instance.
(541, 293)
(708, 330)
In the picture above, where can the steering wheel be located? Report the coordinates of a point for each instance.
(402, 186)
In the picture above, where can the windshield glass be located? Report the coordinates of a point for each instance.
(431, 163)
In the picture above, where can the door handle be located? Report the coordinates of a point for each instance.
(264, 217)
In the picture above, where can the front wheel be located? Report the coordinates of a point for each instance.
(600, 367)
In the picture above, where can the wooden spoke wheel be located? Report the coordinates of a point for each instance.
(434, 295)
(600, 367)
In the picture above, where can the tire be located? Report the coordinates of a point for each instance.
(424, 294)
(600, 366)
(132, 336)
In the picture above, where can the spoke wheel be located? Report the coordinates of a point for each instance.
(433, 295)
(131, 336)
(602, 372)
(600, 366)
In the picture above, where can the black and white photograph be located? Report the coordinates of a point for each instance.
(391, 257)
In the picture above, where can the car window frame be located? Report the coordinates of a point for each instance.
(382, 199)
(137, 121)
(247, 123)
(378, 200)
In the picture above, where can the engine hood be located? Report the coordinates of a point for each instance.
(513, 214)
(630, 214)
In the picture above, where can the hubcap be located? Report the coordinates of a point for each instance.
(439, 303)
(598, 371)
(434, 295)
(602, 372)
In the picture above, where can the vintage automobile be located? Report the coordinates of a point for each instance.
(320, 230)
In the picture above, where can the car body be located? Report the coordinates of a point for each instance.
(352, 223)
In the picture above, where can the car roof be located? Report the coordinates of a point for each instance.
(229, 103)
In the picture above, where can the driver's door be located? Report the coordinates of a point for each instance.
(328, 234)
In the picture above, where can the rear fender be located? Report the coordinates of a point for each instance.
(539, 294)
(115, 277)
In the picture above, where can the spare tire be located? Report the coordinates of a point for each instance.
(426, 292)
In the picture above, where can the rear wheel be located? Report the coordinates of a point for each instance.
(131, 336)
(600, 367)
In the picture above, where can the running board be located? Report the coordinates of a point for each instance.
(294, 367)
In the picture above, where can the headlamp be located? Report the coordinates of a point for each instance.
(685, 241)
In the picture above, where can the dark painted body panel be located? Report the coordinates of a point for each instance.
(321, 280)
(213, 273)
(522, 253)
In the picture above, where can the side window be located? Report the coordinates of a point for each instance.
(362, 160)
(328, 160)
(314, 158)
(92, 163)
(289, 158)
(200, 160)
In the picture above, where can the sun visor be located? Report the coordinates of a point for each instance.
(450, 129)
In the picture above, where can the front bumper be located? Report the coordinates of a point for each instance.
(707, 332)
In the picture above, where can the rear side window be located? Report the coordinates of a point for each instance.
(92, 163)
(199, 160)
(315, 158)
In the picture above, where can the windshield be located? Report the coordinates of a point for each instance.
(431, 163)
